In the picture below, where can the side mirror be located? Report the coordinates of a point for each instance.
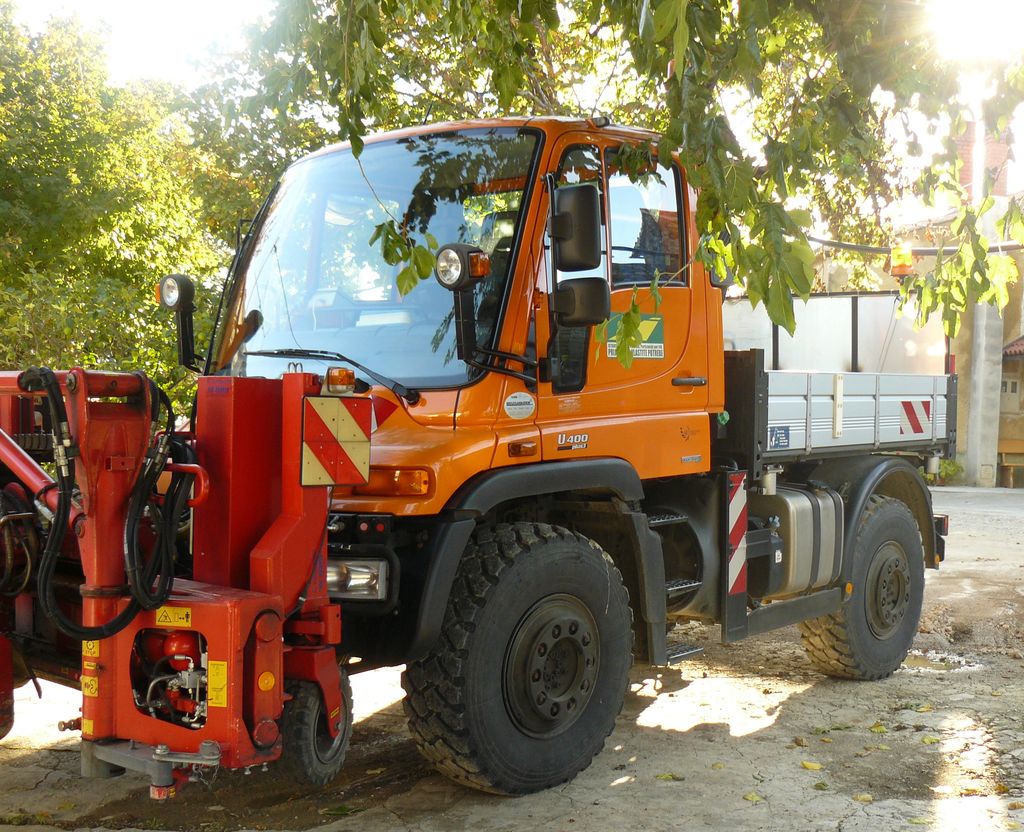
(720, 282)
(177, 293)
(576, 228)
(584, 301)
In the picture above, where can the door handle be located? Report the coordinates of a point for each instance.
(689, 381)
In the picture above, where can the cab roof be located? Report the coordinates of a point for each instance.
(553, 126)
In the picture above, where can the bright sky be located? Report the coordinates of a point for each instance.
(148, 39)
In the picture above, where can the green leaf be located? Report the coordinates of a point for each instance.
(681, 39)
(779, 304)
(423, 260)
(408, 279)
(665, 17)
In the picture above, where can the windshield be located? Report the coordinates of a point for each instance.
(312, 280)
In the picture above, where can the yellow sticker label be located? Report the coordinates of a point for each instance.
(91, 686)
(217, 684)
(91, 649)
(86, 665)
(87, 726)
(174, 616)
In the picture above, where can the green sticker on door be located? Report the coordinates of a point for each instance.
(652, 334)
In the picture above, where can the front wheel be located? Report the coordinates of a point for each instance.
(311, 755)
(870, 636)
(532, 665)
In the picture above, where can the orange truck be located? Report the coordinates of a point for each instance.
(473, 480)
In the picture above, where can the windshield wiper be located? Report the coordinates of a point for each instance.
(407, 393)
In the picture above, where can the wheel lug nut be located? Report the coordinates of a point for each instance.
(536, 676)
(542, 698)
(573, 627)
(586, 639)
(542, 650)
(556, 631)
(554, 709)
(585, 684)
(570, 704)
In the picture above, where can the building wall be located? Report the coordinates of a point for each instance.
(1011, 406)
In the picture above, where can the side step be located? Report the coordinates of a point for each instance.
(680, 652)
(677, 589)
(657, 520)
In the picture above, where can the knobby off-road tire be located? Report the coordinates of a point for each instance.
(870, 636)
(532, 665)
(311, 755)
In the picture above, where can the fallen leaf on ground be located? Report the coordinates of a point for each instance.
(1015, 804)
(375, 770)
(920, 821)
(826, 739)
(863, 797)
(924, 709)
(807, 764)
(718, 766)
(1011, 824)
(339, 811)
(800, 742)
(669, 776)
(878, 728)
(821, 786)
(930, 740)
(753, 797)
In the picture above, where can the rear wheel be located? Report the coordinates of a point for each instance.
(532, 665)
(870, 636)
(311, 755)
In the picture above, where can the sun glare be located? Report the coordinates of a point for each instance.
(979, 32)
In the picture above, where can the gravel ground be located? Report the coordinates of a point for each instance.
(745, 736)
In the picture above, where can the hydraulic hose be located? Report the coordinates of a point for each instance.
(141, 572)
(65, 451)
(160, 566)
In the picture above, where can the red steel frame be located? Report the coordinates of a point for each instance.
(260, 547)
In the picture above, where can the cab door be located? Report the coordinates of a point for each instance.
(653, 412)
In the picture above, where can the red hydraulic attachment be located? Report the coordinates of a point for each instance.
(200, 680)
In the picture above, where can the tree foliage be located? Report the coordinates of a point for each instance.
(820, 82)
(98, 200)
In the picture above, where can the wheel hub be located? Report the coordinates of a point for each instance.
(551, 665)
(888, 589)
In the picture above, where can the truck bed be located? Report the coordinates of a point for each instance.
(818, 411)
(778, 416)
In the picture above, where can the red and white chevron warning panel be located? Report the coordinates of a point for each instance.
(737, 533)
(916, 417)
(336, 440)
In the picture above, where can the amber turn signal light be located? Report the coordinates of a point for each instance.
(479, 264)
(396, 482)
(339, 380)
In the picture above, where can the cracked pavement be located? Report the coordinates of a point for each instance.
(746, 736)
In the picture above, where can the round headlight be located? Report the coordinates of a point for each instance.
(449, 268)
(170, 293)
(176, 292)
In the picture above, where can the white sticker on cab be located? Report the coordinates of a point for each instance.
(520, 406)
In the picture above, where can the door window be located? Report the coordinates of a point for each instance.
(646, 227)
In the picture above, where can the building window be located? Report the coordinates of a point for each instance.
(1009, 394)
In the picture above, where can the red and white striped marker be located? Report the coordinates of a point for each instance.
(737, 533)
(336, 440)
(915, 417)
